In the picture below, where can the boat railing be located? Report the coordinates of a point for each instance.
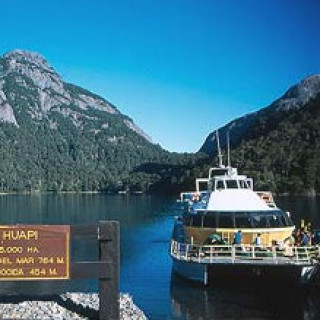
(244, 253)
(267, 197)
(192, 195)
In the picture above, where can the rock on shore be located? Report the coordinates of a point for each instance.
(67, 306)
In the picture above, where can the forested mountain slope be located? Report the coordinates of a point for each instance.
(284, 156)
(57, 136)
(279, 145)
(295, 98)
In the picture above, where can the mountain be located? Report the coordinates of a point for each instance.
(58, 136)
(28, 84)
(293, 100)
(278, 145)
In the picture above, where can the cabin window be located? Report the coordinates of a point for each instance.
(274, 221)
(218, 172)
(239, 220)
(283, 221)
(226, 220)
(209, 221)
(270, 219)
(243, 184)
(259, 221)
(279, 219)
(250, 183)
(243, 220)
(219, 185)
(289, 221)
(232, 184)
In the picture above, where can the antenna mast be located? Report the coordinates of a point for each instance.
(228, 146)
(219, 149)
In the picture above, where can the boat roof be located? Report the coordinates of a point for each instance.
(236, 200)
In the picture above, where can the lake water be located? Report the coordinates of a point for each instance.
(146, 224)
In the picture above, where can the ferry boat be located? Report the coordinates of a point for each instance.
(228, 229)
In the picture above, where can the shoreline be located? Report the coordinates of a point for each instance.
(136, 193)
(72, 192)
(68, 306)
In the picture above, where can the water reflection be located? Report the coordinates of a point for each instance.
(229, 301)
(79, 208)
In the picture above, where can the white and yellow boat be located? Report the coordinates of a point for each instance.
(221, 205)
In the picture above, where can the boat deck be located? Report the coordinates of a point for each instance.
(245, 254)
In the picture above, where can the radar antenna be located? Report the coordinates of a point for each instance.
(228, 146)
(219, 149)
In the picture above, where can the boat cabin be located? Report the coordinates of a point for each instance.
(226, 204)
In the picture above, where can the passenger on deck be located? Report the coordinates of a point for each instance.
(290, 240)
(297, 237)
(195, 197)
(310, 237)
(288, 249)
(304, 239)
(313, 239)
(238, 237)
(258, 241)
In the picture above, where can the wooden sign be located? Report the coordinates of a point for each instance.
(34, 252)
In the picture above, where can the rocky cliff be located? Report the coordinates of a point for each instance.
(30, 85)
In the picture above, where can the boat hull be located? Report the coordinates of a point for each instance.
(190, 270)
(213, 274)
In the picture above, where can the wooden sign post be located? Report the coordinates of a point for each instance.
(42, 252)
(109, 286)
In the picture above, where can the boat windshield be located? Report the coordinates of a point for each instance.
(218, 172)
(221, 184)
(243, 184)
(232, 184)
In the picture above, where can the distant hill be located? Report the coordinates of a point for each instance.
(280, 144)
(293, 100)
(56, 136)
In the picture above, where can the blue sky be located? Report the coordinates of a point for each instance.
(179, 68)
